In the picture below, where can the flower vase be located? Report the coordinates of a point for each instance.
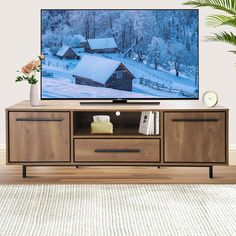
(34, 95)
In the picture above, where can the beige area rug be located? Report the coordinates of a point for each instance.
(117, 210)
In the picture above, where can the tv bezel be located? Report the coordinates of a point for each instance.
(146, 99)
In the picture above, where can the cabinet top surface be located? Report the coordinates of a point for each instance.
(73, 105)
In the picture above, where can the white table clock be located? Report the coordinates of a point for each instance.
(210, 98)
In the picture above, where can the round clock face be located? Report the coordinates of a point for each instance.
(210, 98)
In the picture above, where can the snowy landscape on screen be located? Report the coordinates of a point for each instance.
(120, 54)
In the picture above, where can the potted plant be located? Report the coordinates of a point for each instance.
(228, 18)
(28, 73)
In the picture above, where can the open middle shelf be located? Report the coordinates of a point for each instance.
(125, 125)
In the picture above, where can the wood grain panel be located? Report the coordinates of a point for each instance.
(197, 137)
(39, 136)
(117, 150)
(74, 105)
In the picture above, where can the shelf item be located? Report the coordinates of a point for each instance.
(101, 127)
(149, 123)
(145, 122)
(101, 118)
(157, 122)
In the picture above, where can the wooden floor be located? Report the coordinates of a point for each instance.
(116, 175)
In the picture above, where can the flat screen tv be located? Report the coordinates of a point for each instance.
(119, 54)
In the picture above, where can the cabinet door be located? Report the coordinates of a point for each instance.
(195, 137)
(39, 137)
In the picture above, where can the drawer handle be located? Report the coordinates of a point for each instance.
(39, 119)
(196, 120)
(117, 150)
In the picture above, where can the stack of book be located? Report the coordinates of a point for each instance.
(149, 123)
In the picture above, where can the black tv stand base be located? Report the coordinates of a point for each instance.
(119, 102)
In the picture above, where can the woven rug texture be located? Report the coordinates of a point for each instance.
(109, 210)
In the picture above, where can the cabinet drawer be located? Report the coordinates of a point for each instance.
(39, 136)
(195, 137)
(117, 150)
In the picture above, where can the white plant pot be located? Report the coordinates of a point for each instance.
(34, 95)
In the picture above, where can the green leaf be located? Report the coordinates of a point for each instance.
(32, 80)
(19, 78)
(219, 20)
(225, 37)
(25, 77)
(228, 6)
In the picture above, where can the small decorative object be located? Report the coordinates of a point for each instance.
(28, 73)
(210, 98)
(149, 123)
(117, 113)
(101, 125)
(145, 122)
(102, 118)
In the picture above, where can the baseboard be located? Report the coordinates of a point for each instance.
(232, 154)
(2, 154)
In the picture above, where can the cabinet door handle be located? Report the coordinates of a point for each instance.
(117, 150)
(39, 119)
(196, 120)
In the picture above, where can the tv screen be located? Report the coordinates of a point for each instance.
(110, 54)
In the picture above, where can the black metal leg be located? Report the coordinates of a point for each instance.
(211, 172)
(158, 167)
(24, 171)
(77, 166)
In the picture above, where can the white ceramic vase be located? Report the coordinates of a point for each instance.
(34, 95)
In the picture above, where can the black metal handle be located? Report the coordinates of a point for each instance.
(117, 150)
(39, 119)
(196, 120)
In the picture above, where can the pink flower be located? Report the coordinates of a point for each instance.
(26, 70)
(33, 65)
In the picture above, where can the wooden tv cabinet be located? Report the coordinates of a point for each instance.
(58, 133)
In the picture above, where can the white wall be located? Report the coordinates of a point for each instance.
(20, 42)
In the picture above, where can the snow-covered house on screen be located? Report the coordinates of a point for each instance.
(67, 52)
(103, 72)
(101, 45)
(78, 41)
